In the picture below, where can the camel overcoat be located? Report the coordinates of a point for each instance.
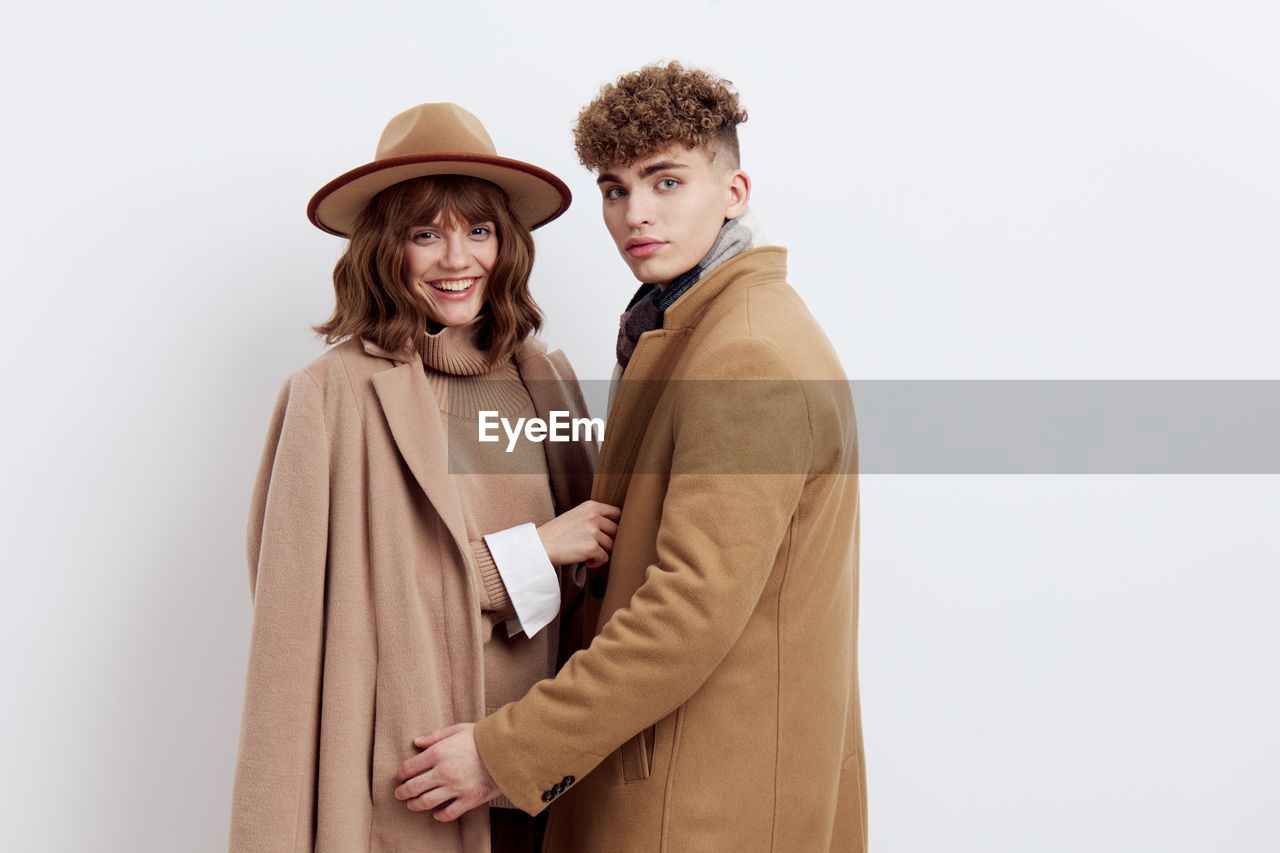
(717, 707)
(366, 619)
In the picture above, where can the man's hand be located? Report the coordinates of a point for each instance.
(448, 768)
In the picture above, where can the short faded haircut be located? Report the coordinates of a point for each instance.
(649, 109)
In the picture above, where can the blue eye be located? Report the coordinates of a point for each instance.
(420, 236)
(614, 193)
(481, 231)
(668, 183)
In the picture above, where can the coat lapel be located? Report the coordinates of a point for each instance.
(637, 395)
(552, 387)
(412, 413)
(414, 417)
(645, 378)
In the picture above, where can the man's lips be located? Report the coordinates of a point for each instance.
(640, 247)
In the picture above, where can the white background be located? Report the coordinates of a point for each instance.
(985, 189)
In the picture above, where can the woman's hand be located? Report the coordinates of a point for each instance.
(583, 534)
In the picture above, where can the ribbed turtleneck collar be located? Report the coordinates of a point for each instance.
(453, 350)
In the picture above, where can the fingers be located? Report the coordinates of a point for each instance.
(593, 545)
(426, 759)
(419, 784)
(420, 763)
(456, 809)
(438, 735)
(608, 510)
(450, 786)
(430, 800)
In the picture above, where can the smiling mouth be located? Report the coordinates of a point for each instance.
(453, 285)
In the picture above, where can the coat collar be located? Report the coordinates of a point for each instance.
(637, 392)
(400, 356)
(770, 261)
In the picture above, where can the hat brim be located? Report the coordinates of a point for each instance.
(536, 196)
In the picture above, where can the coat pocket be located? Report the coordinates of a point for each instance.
(637, 756)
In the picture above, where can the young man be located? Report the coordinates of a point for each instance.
(716, 707)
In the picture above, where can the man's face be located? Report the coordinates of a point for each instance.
(665, 210)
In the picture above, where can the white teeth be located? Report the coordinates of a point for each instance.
(454, 286)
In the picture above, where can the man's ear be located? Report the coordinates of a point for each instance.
(737, 194)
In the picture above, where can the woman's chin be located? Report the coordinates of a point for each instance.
(458, 320)
(454, 314)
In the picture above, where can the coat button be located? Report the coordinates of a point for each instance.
(558, 788)
(598, 584)
(548, 796)
(567, 781)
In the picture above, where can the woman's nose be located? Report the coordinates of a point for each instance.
(456, 255)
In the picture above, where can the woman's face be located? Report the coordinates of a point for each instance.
(448, 268)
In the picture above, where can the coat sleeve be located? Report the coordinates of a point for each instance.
(742, 447)
(273, 801)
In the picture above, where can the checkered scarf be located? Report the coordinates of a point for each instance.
(644, 311)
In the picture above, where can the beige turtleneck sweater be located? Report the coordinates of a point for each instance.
(498, 490)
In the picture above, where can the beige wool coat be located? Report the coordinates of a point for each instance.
(717, 706)
(366, 617)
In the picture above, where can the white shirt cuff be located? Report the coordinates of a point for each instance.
(531, 581)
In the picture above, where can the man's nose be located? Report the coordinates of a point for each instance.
(639, 212)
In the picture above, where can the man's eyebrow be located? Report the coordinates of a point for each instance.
(660, 166)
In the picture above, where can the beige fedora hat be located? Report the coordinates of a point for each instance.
(437, 139)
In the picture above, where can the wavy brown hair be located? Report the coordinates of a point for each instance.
(370, 280)
(649, 109)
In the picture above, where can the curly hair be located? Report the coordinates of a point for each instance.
(649, 109)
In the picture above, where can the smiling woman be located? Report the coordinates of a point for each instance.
(448, 266)
(435, 234)
(395, 591)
